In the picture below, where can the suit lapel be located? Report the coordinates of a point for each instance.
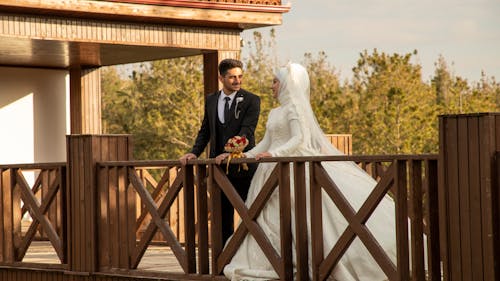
(212, 108)
(232, 115)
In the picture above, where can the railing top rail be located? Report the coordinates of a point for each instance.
(33, 166)
(355, 158)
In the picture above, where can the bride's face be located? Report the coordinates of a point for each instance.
(275, 87)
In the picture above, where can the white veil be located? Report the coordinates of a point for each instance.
(294, 91)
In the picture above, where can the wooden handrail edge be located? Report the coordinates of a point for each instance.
(355, 158)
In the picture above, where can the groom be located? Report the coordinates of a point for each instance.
(229, 112)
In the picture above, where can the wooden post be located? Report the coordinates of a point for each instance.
(84, 151)
(468, 196)
(85, 100)
(10, 221)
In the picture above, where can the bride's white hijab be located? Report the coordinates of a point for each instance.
(294, 91)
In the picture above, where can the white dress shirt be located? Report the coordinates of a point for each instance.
(221, 102)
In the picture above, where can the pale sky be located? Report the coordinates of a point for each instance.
(465, 32)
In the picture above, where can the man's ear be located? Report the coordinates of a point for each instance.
(221, 78)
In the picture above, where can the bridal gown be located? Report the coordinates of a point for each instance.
(283, 137)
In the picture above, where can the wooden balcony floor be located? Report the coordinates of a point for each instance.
(157, 257)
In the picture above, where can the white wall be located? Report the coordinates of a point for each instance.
(34, 115)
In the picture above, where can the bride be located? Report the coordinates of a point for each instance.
(292, 130)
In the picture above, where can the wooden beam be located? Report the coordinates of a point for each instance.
(212, 14)
(85, 100)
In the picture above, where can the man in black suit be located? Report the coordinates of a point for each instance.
(229, 112)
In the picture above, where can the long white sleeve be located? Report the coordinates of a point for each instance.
(262, 146)
(293, 143)
(295, 135)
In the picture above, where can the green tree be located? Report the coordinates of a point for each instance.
(116, 102)
(385, 106)
(455, 95)
(327, 98)
(161, 108)
(397, 112)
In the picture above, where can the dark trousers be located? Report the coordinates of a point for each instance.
(241, 184)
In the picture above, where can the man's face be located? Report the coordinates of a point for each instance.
(232, 80)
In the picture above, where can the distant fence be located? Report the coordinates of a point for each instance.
(342, 142)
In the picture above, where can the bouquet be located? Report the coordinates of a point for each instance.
(235, 147)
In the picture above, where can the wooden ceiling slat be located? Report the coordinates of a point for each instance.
(56, 42)
(59, 34)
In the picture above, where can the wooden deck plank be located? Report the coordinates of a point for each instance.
(156, 258)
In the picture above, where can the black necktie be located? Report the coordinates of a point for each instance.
(226, 109)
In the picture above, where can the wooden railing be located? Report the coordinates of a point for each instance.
(100, 220)
(45, 201)
(411, 180)
(138, 199)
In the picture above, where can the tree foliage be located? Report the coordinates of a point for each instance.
(396, 110)
(161, 106)
(386, 105)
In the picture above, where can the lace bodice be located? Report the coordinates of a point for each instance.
(278, 128)
(283, 134)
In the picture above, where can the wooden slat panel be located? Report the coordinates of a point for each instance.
(202, 218)
(7, 243)
(462, 191)
(453, 199)
(343, 142)
(432, 207)
(32, 275)
(189, 219)
(402, 221)
(467, 156)
(316, 221)
(495, 194)
(416, 215)
(496, 202)
(301, 239)
(87, 244)
(113, 216)
(174, 212)
(285, 222)
(104, 236)
(487, 144)
(122, 218)
(131, 219)
(85, 30)
(84, 152)
(443, 199)
(475, 197)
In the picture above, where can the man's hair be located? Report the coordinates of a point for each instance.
(227, 64)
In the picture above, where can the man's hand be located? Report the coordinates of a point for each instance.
(186, 157)
(263, 155)
(221, 158)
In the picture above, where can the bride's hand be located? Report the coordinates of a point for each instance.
(221, 158)
(263, 155)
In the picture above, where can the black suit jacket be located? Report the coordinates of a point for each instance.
(248, 111)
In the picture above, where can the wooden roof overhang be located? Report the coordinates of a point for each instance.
(61, 34)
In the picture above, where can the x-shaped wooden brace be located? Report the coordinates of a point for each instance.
(356, 221)
(157, 192)
(38, 214)
(248, 217)
(157, 215)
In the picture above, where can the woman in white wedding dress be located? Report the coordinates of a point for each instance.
(292, 130)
